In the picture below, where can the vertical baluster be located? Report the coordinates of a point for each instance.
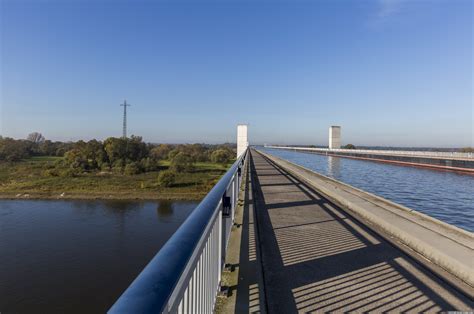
(193, 310)
(204, 278)
(206, 283)
(216, 259)
(209, 280)
(201, 285)
(209, 286)
(233, 198)
(190, 295)
(198, 286)
(213, 266)
(219, 221)
(185, 301)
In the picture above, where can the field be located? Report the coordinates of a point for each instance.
(28, 180)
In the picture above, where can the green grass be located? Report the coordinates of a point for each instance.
(29, 177)
(43, 158)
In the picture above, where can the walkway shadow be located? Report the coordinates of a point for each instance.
(248, 298)
(316, 257)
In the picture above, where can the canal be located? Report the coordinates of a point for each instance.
(78, 256)
(447, 196)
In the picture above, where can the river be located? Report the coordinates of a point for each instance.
(78, 256)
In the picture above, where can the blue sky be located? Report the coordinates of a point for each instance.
(390, 72)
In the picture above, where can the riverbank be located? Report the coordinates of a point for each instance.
(28, 180)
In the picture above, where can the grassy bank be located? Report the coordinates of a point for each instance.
(28, 179)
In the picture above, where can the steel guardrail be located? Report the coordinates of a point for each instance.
(184, 276)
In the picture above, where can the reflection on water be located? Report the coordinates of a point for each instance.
(165, 209)
(447, 196)
(78, 256)
(334, 166)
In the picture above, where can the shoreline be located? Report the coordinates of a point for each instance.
(102, 197)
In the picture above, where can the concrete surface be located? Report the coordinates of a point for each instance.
(447, 246)
(245, 282)
(316, 257)
(242, 139)
(334, 137)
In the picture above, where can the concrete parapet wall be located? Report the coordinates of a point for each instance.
(444, 155)
(442, 160)
(446, 246)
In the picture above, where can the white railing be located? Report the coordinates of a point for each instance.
(427, 154)
(185, 275)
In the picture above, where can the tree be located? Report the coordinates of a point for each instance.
(132, 168)
(149, 164)
(166, 178)
(35, 137)
(181, 162)
(116, 149)
(76, 159)
(160, 152)
(349, 146)
(126, 149)
(14, 150)
(47, 148)
(136, 149)
(221, 156)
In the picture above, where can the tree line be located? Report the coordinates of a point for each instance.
(121, 155)
(34, 145)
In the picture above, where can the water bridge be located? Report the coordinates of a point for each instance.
(275, 237)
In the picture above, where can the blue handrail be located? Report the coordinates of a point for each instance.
(151, 290)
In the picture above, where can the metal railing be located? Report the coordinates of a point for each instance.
(428, 154)
(184, 276)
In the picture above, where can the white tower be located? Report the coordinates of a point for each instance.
(242, 140)
(334, 137)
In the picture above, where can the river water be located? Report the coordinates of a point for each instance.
(447, 196)
(78, 256)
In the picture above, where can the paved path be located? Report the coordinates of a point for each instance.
(317, 258)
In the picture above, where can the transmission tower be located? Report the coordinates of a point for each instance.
(125, 105)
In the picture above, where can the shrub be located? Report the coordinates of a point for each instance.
(105, 166)
(160, 152)
(166, 178)
(149, 164)
(221, 156)
(117, 168)
(51, 173)
(132, 168)
(69, 173)
(181, 162)
(349, 146)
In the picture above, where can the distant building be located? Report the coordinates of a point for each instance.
(334, 137)
(242, 139)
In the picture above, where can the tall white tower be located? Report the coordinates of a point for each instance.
(334, 137)
(242, 140)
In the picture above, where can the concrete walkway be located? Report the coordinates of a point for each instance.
(317, 258)
(245, 282)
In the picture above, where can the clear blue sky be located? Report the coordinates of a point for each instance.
(389, 72)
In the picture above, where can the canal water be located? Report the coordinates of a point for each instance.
(447, 196)
(78, 256)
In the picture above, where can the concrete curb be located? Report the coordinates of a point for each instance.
(447, 246)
